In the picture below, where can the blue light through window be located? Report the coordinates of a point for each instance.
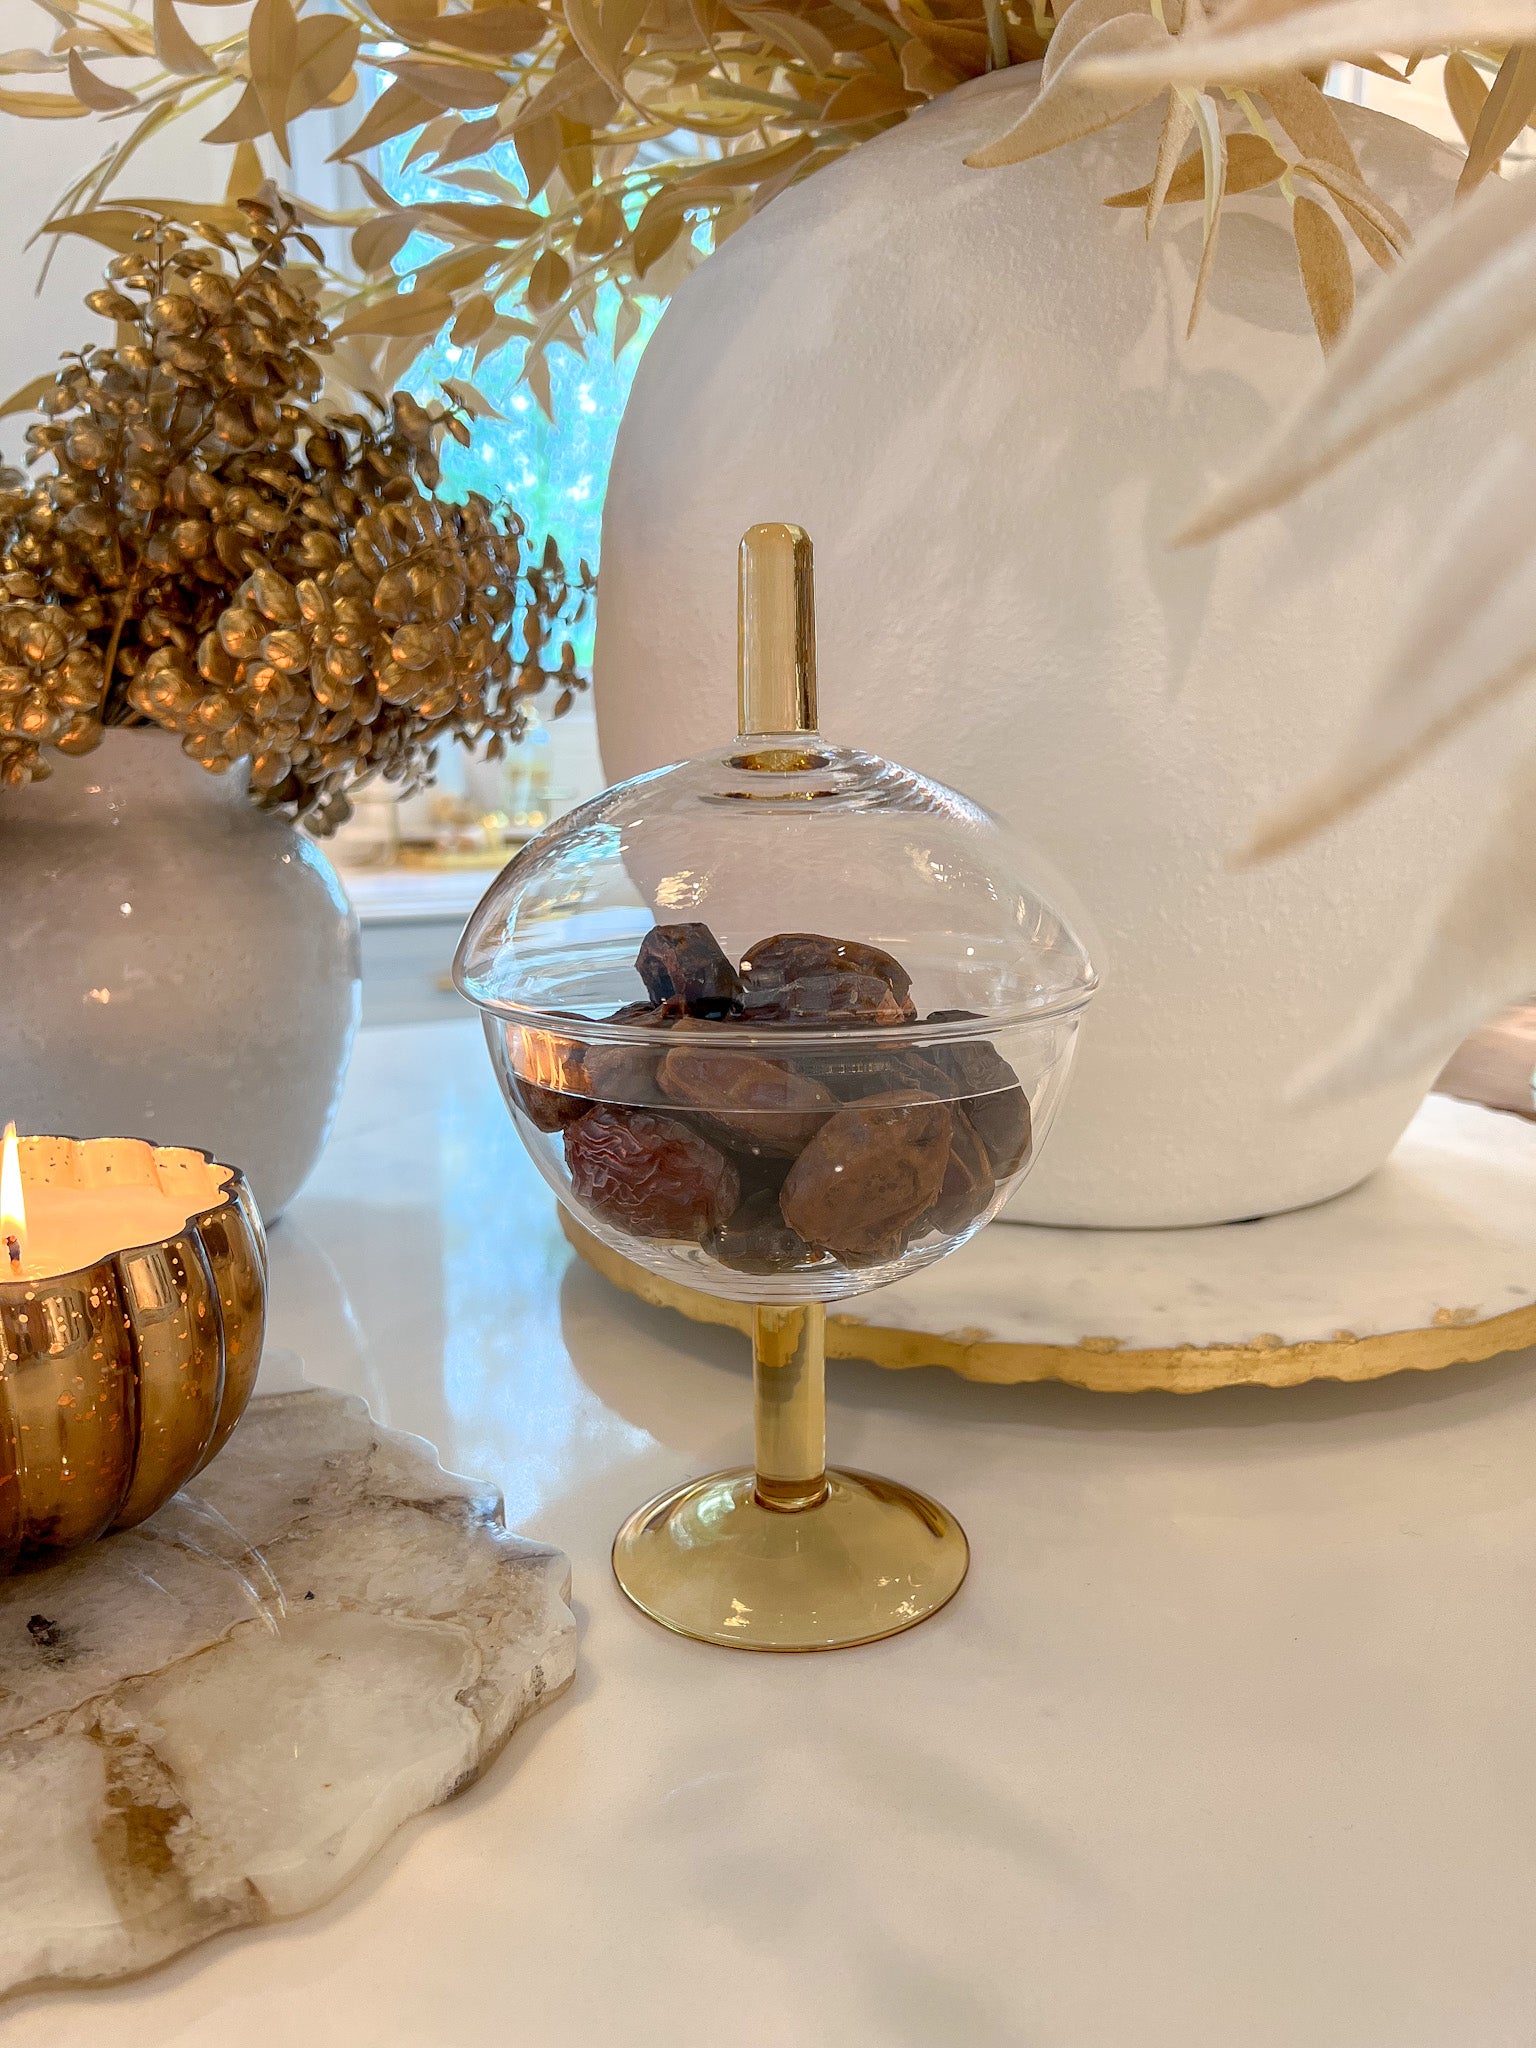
(554, 474)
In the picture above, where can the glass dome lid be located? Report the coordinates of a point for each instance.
(777, 836)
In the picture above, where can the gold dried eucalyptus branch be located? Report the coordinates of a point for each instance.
(594, 97)
(205, 550)
(588, 96)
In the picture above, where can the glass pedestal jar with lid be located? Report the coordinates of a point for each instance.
(785, 1021)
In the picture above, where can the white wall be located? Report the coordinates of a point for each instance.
(39, 159)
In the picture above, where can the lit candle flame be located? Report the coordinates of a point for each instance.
(13, 1204)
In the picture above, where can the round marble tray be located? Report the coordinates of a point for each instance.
(1430, 1262)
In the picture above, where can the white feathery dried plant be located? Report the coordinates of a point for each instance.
(1461, 303)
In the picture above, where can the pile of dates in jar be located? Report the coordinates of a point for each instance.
(771, 1163)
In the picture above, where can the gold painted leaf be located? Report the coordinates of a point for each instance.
(1510, 103)
(450, 273)
(961, 47)
(547, 281)
(24, 399)
(656, 230)
(495, 223)
(573, 76)
(1466, 90)
(1178, 125)
(177, 50)
(536, 377)
(472, 320)
(392, 113)
(1324, 32)
(604, 34)
(537, 143)
(272, 43)
(792, 33)
(1079, 20)
(492, 31)
(95, 92)
(207, 214)
(866, 98)
(626, 325)
(923, 72)
(719, 177)
(1308, 118)
(377, 243)
(1357, 202)
(1213, 150)
(473, 401)
(1251, 164)
(13, 62)
(42, 106)
(327, 45)
(471, 138)
(442, 84)
(1069, 108)
(602, 224)
(1325, 271)
(114, 227)
(411, 20)
(407, 313)
(246, 119)
(247, 174)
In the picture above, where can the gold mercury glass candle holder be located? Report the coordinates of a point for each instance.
(785, 1022)
(132, 1303)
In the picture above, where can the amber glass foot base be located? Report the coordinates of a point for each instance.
(870, 1559)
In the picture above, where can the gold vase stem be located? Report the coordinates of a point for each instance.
(789, 1378)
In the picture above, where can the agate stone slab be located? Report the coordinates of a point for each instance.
(216, 1718)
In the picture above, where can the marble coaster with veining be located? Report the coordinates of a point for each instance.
(216, 1718)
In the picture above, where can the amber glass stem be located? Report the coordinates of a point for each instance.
(789, 1378)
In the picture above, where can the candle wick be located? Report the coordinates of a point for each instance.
(13, 1251)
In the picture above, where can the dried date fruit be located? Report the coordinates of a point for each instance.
(756, 1239)
(547, 1109)
(553, 1099)
(852, 998)
(867, 1176)
(969, 1182)
(1002, 1123)
(651, 1175)
(856, 1073)
(759, 1104)
(990, 1094)
(805, 974)
(624, 1073)
(683, 963)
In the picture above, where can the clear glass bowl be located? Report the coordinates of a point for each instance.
(783, 1023)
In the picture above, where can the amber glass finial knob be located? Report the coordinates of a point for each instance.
(776, 624)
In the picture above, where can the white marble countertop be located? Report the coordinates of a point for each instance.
(1226, 1740)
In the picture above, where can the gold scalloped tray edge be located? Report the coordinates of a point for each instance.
(1102, 1369)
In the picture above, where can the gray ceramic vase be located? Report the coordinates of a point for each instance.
(174, 964)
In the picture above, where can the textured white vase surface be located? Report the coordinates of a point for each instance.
(216, 1718)
(177, 965)
(973, 388)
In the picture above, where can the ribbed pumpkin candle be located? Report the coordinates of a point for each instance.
(132, 1299)
(52, 1224)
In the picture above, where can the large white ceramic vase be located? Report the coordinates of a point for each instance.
(177, 965)
(973, 388)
